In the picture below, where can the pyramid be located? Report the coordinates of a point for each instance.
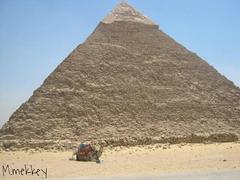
(129, 83)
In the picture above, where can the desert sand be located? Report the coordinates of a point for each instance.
(120, 161)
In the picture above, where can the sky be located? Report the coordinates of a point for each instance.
(36, 36)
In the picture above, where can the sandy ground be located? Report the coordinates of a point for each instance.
(138, 161)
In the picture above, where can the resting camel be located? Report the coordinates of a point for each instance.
(87, 152)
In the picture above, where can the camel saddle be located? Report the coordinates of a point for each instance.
(84, 149)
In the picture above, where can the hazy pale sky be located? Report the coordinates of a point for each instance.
(36, 35)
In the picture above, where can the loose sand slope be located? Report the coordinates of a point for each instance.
(146, 160)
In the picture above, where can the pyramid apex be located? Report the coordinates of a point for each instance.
(124, 12)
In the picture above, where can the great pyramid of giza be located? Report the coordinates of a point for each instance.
(128, 83)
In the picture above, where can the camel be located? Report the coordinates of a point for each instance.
(87, 152)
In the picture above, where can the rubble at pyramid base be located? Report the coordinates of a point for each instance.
(68, 145)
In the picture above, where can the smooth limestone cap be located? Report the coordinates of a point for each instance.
(124, 12)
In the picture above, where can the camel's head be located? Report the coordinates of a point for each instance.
(98, 153)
